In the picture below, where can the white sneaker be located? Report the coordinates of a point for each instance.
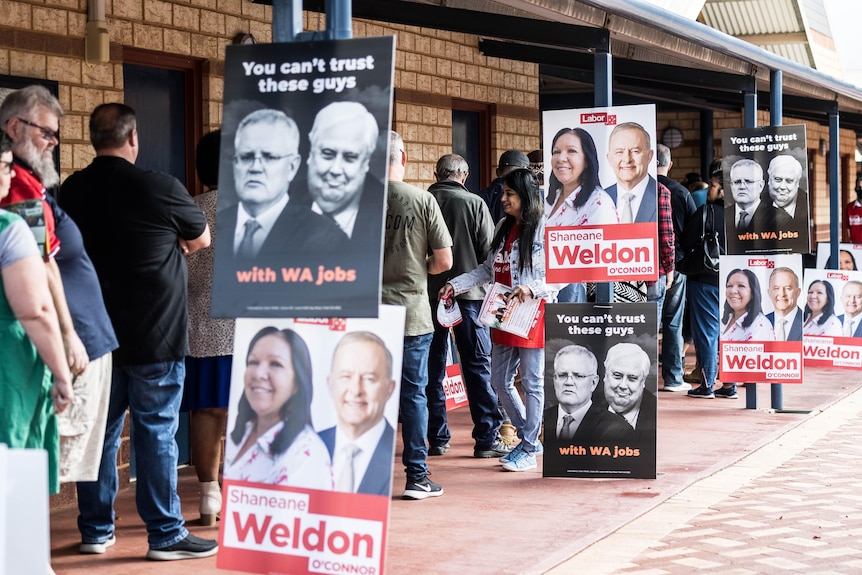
(97, 548)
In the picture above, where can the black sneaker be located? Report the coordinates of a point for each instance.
(496, 450)
(439, 449)
(422, 489)
(189, 548)
(726, 393)
(702, 392)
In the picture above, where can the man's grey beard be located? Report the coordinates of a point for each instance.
(42, 164)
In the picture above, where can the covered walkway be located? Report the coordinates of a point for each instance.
(490, 521)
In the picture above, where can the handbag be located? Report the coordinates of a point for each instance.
(703, 256)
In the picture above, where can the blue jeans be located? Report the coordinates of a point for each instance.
(703, 308)
(414, 405)
(573, 293)
(152, 393)
(656, 293)
(671, 332)
(474, 350)
(526, 418)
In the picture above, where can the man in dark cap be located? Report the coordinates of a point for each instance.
(509, 160)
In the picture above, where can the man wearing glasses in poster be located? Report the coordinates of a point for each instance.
(265, 223)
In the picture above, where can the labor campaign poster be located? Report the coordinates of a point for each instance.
(761, 318)
(453, 387)
(832, 322)
(600, 390)
(310, 444)
(304, 144)
(765, 171)
(848, 255)
(602, 203)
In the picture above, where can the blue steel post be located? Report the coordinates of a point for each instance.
(750, 121)
(835, 203)
(602, 98)
(776, 111)
(338, 16)
(286, 20)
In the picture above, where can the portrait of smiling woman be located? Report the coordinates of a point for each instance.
(743, 318)
(273, 440)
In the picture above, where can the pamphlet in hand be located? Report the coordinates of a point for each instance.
(513, 316)
(448, 312)
(33, 213)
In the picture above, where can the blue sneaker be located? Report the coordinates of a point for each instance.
(508, 457)
(540, 449)
(523, 461)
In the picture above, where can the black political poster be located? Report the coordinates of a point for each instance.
(600, 390)
(304, 145)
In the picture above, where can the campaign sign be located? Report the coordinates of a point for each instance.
(600, 390)
(766, 174)
(831, 323)
(761, 318)
(453, 387)
(848, 255)
(311, 441)
(602, 202)
(601, 253)
(301, 197)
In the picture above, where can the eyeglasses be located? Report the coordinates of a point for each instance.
(247, 159)
(47, 134)
(571, 376)
(746, 182)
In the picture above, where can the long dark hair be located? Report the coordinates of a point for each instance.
(524, 182)
(848, 252)
(754, 307)
(296, 411)
(589, 177)
(829, 308)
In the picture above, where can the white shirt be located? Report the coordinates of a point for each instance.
(598, 210)
(789, 318)
(791, 209)
(346, 218)
(367, 443)
(638, 191)
(631, 416)
(577, 415)
(266, 220)
(854, 324)
(750, 211)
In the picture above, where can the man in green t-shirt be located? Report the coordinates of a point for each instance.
(414, 228)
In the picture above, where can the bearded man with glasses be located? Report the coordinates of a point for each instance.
(266, 223)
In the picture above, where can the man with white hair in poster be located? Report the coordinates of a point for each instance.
(626, 368)
(790, 203)
(342, 141)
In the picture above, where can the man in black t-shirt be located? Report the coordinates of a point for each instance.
(137, 226)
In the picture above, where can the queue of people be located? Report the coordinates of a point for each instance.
(104, 325)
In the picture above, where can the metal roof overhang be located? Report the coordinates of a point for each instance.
(691, 65)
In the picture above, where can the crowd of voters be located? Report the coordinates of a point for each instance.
(108, 313)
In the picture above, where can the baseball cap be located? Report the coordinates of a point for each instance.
(514, 158)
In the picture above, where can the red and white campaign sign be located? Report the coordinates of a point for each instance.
(842, 352)
(761, 361)
(602, 253)
(280, 530)
(453, 386)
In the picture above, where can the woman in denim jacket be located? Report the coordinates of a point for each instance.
(525, 271)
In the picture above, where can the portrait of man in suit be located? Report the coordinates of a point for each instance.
(748, 212)
(851, 299)
(361, 444)
(626, 370)
(342, 140)
(265, 223)
(784, 292)
(630, 154)
(791, 203)
(577, 419)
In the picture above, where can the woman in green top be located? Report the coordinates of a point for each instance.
(29, 334)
